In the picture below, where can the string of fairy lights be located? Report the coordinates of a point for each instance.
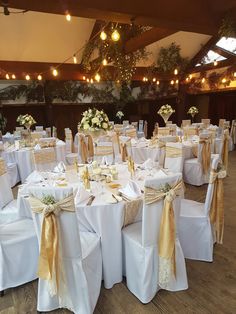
(114, 36)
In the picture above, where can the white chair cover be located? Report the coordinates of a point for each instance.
(18, 253)
(195, 231)
(44, 159)
(80, 257)
(141, 249)
(39, 128)
(174, 160)
(104, 149)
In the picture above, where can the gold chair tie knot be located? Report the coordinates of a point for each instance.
(170, 195)
(51, 209)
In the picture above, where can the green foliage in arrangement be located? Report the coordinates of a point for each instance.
(3, 122)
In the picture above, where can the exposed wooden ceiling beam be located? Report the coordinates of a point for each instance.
(147, 38)
(181, 15)
(210, 66)
(224, 53)
(203, 51)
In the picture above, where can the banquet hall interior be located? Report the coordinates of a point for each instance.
(117, 157)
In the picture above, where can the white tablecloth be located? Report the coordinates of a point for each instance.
(104, 219)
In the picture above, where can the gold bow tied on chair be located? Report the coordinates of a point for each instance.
(217, 203)
(50, 264)
(166, 245)
(206, 154)
(225, 150)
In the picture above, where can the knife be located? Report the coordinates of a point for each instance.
(91, 199)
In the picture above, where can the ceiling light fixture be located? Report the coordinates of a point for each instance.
(103, 35)
(115, 36)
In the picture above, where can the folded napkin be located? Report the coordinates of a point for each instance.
(131, 190)
(37, 147)
(109, 199)
(148, 164)
(82, 196)
(34, 177)
(60, 167)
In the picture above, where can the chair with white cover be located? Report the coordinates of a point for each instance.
(18, 254)
(8, 206)
(85, 148)
(75, 263)
(206, 123)
(104, 151)
(131, 132)
(196, 170)
(162, 131)
(186, 123)
(190, 131)
(174, 159)
(140, 125)
(148, 266)
(39, 128)
(71, 157)
(54, 132)
(233, 131)
(19, 128)
(48, 132)
(125, 147)
(44, 159)
(125, 123)
(195, 224)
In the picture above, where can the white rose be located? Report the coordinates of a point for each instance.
(95, 120)
(105, 125)
(86, 126)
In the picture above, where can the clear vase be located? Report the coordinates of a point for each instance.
(165, 117)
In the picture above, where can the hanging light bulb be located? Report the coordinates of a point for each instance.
(154, 79)
(87, 80)
(7, 76)
(158, 82)
(177, 82)
(68, 17)
(39, 77)
(91, 81)
(176, 72)
(103, 35)
(187, 79)
(13, 76)
(55, 72)
(234, 74)
(190, 76)
(84, 78)
(203, 80)
(215, 63)
(172, 82)
(97, 77)
(104, 62)
(115, 36)
(27, 77)
(224, 80)
(74, 59)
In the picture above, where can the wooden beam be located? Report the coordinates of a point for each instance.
(224, 53)
(180, 15)
(203, 51)
(147, 38)
(210, 66)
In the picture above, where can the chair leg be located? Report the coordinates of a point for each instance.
(1, 293)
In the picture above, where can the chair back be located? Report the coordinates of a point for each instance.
(131, 132)
(152, 213)
(190, 131)
(140, 125)
(174, 160)
(163, 131)
(221, 123)
(69, 141)
(44, 159)
(35, 136)
(54, 132)
(48, 132)
(186, 123)
(233, 131)
(125, 123)
(39, 128)
(104, 149)
(135, 125)
(6, 195)
(206, 123)
(19, 128)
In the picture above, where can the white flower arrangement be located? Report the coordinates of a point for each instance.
(94, 120)
(165, 110)
(25, 120)
(119, 114)
(192, 110)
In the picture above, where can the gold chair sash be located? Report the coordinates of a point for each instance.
(225, 151)
(3, 168)
(104, 150)
(117, 139)
(145, 130)
(206, 155)
(167, 264)
(217, 203)
(90, 145)
(83, 149)
(50, 265)
(124, 152)
(44, 156)
(173, 152)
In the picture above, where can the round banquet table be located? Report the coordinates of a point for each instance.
(104, 218)
(23, 158)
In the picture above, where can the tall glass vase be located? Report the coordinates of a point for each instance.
(27, 137)
(192, 115)
(165, 117)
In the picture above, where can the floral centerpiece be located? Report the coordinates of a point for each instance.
(26, 120)
(94, 121)
(192, 111)
(119, 115)
(165, 112)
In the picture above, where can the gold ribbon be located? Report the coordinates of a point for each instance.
(217, 203)
(90, 145)
(50, 266)
(166, 245)
(124, 152)
(131, 133)
(117, 138)
(83, 149)
(131, 166)
(163, 131)
(44, 156)
(173, 152)
(3, 168)
(225, 151)
(85, 178)
(145, 129)
(206, 154)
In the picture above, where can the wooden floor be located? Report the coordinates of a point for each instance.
(212, 286)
